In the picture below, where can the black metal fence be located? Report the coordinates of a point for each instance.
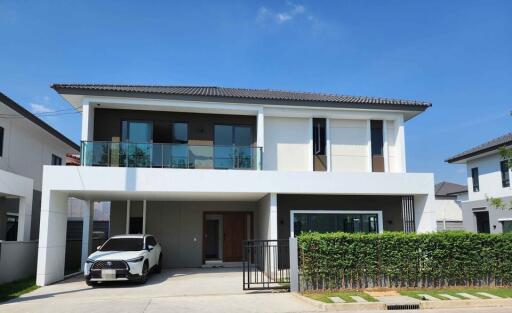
(266, 264)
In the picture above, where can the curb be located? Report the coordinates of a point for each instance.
(448, 304)
(424, 305)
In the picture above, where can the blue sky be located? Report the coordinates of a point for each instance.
(455, 54)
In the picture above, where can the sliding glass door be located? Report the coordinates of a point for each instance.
(232, 146)
(137, 137)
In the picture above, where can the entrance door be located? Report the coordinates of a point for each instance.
(212, 242)
(235, 232)
(482, 222)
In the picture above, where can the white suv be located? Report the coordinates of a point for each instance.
(124, 257)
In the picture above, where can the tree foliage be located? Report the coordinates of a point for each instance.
(341, 260)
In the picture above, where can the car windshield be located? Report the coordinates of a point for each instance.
(123, 244)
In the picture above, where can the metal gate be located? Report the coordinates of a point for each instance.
(266, 264)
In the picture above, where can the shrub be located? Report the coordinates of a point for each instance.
(342, 260)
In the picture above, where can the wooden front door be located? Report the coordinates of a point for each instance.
(236, 228)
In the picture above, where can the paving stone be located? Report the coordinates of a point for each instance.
(428, 297)
(488, 295)
(337, 299)
(359, 299)
(449, 297)
(467, 295)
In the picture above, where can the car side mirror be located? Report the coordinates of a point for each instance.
(150, 247)
(98, 248)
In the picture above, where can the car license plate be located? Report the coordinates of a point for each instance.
(108, 274)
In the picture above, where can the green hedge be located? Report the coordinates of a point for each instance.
(341, 260)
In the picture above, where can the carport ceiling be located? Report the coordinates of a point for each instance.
(169, 196)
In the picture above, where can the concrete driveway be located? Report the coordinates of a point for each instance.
(184, 290)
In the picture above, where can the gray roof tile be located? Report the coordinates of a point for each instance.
(494, 144)
(240, 93)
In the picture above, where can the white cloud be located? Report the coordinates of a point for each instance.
(39, 108)
(268, 15)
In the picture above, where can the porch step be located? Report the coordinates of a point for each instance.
(336, 300)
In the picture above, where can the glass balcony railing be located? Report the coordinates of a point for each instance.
(164, 155)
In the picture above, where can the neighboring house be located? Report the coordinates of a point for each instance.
(488, 177)
(448, 210)
(204, 168)
(26, 144)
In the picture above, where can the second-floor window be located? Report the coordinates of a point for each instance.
(56, 160)
(377, 137)
(319, 144)
(505, 178)
(476, 181)
(232, 146)
(137, 131)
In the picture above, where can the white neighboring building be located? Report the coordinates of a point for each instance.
(26, 145)
(448, 210)
(204, 168)
(488, 177)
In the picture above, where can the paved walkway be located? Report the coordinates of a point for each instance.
(186, 290)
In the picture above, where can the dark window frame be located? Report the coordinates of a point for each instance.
(56, 160)
(505, 174)
(319, 136)
(2, 141)
(475, 178)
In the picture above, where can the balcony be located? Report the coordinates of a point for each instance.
(165, 155)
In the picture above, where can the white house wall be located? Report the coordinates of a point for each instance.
(27, 147)
(349, 145)
(489, 178)
(287, 144)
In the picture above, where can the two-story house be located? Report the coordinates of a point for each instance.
(488, 176)
(204, 168)
(26, 144)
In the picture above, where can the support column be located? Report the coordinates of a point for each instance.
(294, 265)
(310, 153)
(260, 129)
(272, 219)
(144, 203)
(385, 145)
(24, 217)
(328, 144)
(400, 143)
(52, 237)
(128, 203)
(87, 228)
(87, 121)
(369, 146)
(424, 213)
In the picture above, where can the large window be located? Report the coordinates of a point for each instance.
(507, 226)
(179, 148)
(505, 178)
(233, 146)
(335, 221)
(377, 138)
(319, 144)
(476, 181)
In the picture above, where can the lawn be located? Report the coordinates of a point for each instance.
(15, 289)
(345, 295)
(500, 292)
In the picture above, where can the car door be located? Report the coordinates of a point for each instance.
(152, 255)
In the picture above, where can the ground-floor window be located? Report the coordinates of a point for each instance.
(333, 221)
(507, 226)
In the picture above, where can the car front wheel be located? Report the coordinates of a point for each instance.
(145, 273)
(88, 282)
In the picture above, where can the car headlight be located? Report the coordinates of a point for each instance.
(135, 260)
(89, 261)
